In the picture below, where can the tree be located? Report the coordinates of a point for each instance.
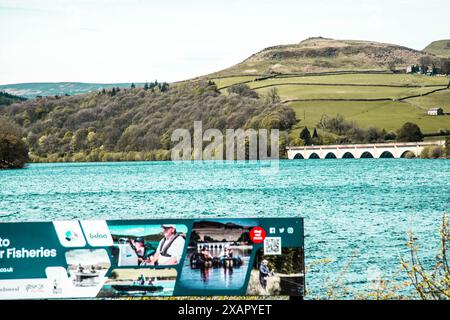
(409, 132)
(392, 66)
(315, 134)
(315, 137)
(133, 85)
(13, 151)
(163, 87)
(243, 90)
(146, 86)
(374, 135)
(447, 147)
(272, 97)
(306, 136)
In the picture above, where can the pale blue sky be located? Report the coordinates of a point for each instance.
(169, 40)
(142, 230)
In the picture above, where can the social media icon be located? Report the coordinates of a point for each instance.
(290, 230)
(272, 230)
(281, 230)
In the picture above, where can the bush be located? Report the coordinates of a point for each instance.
(409, 132)
(432, 152)
(243, 90)
(437, 152)
(433, 284)
(410, 155)
(13, 151)
(350, 132)
(447, 147)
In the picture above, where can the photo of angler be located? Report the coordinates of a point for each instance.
(148, 245)
(218, 255)
(282, 274)
(87, 267)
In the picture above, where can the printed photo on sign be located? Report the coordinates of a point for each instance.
(87, 267)
(142, 282)
(278, 274)
(147, 245)
(218, 255)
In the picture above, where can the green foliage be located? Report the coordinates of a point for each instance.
(6, 98)
(135, 124)
(409, 132)
(306, 136)
(13, 151)
(447, 147)
(243, 90)
(350, 132)
(289, 262)
(272, 96)
(433, 152)
(432, 284)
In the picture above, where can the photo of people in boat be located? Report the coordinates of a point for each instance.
(139, 282)
(87, 267)
(218, 255)
(282, 274)
(147, 245)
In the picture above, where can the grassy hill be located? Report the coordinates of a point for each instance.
(322, 76)
(324, 55)
(385, 101)
(440, 48)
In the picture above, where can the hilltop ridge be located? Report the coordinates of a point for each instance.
(319, 54)
(440, 48)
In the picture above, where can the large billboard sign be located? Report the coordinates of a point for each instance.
(136, 258)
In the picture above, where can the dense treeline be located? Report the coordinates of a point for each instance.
(338, 130)
(135, 123)
(6, 98)
(13, 150)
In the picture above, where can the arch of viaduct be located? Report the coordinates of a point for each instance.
(374, 150)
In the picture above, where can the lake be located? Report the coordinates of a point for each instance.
(356, 210)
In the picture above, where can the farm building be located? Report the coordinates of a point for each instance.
(435, 112)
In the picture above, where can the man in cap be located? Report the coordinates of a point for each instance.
(264, 273)
(170, 248)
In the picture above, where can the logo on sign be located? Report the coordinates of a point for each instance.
(257, 235)
(71, 235)
(98, 236)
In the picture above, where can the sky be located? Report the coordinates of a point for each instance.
(107, 41)
(142, 230)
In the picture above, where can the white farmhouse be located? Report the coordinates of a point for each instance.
(435, 112)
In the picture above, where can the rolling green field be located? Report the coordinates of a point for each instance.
(389, 115)
(373, 79)
(342, 92)
(437, 99)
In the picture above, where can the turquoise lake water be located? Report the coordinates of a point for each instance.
(360, 208)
